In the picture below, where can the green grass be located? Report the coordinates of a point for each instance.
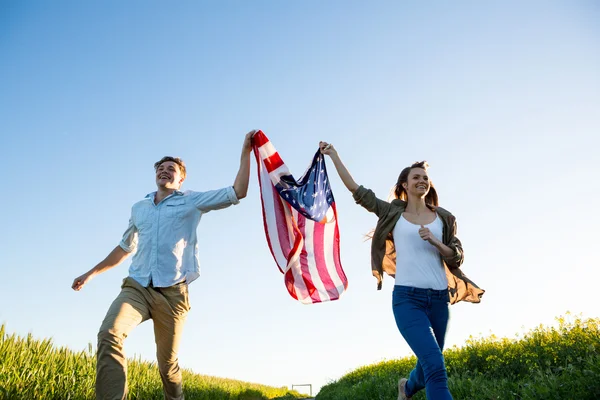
(35, 369)
(547, 363)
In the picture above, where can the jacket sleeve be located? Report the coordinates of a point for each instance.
(366, 198)
(457, 259)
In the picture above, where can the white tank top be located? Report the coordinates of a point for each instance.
(418, 263)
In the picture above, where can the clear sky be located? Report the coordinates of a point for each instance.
(501, 98)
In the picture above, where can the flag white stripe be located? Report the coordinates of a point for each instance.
(328, 243)
(290, 221)
(329, 215)
(270, 217)
(312, 265)
(294, 264)
(266, 150)
(277, 173)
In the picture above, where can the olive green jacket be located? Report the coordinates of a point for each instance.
(383, 251)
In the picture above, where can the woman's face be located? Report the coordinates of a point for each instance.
(418, 183)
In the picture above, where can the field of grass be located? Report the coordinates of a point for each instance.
(547, 363)
(35, 369)
(561, 362)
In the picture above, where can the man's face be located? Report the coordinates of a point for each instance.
(168, 175)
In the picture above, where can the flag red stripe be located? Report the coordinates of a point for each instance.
(290, 283)
(321, 263)
(273, 162)
(306, 275)
(259, 139)
(262, 202)
(280, 221)
(336, 250)
(295, 259)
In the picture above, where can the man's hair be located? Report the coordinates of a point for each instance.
(176, 160)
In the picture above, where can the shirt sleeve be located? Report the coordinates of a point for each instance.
(130, 237)
(214, 199)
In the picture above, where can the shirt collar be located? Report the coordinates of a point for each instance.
(152, 194)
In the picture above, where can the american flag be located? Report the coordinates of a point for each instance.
(300, 221)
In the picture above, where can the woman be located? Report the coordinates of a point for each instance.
(415, 242)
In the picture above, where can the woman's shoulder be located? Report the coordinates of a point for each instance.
(399, 203)
(442, 212)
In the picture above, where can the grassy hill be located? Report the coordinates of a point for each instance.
(547, 363)
(561, 362)
(35, 369)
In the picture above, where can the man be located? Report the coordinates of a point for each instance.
(162, 233)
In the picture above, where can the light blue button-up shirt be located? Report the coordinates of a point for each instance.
(163, 236)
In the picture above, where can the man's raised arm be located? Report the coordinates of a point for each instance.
(240, 185)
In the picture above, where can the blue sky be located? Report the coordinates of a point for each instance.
(501, 98)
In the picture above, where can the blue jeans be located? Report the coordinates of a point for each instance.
(422, 318)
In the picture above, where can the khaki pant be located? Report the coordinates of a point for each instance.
(168, 308)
